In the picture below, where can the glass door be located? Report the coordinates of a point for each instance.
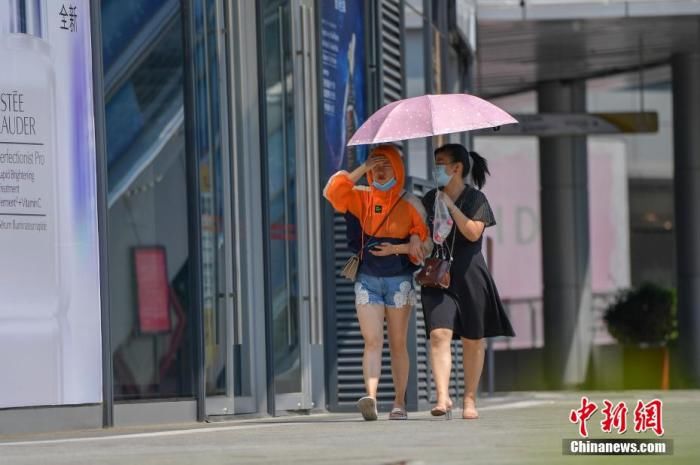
(227, 367)
(285, 32)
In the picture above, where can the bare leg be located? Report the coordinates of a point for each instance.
(397, 323)
(473, 359)
(371, 319)
(441, 361)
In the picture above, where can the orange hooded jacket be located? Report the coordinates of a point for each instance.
(371, 205)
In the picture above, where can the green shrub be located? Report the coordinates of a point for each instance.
(646, 315)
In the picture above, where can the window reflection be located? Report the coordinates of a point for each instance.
(280, 160)
(147, 199)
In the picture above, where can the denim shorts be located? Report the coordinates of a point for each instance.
(391, 291)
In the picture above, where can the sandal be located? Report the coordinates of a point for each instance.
(442, 411)
(398, 413)
(368, 408)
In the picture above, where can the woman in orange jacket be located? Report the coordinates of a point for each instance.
(394, 238)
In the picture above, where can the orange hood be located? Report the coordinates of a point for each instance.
(394, 156)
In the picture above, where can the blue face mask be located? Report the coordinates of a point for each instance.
(441, 176)
(386, 186)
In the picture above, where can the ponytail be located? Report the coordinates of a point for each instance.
(480, 168)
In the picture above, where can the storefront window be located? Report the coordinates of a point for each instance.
(148, 247)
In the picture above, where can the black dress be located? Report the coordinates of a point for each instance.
(471, 306)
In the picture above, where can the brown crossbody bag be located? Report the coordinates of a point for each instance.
(436, 271)
(353, 264)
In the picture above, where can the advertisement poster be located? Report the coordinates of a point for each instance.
(50, 343)
(152, 290)
(344, 94)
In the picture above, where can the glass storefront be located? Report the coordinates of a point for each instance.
(157, 143)
(148, 217)
(215, 240)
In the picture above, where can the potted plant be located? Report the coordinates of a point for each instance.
(644, 321)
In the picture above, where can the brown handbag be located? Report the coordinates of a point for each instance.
(436, 271)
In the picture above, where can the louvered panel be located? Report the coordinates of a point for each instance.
(393, 7)
(392, 76)
(391, 29)
(391, 60)
(395, 78)
(392, 92)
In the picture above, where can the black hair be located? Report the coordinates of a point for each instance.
(459, 154)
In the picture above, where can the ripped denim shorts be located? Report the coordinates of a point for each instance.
(391, 291)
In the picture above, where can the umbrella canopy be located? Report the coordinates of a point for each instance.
(429, 115)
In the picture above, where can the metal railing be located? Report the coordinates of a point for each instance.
(530, 328)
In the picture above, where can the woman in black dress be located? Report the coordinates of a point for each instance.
(470, 309)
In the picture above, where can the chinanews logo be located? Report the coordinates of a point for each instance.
(646, 417)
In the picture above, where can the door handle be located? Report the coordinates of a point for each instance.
(312, 191)
(308, 150)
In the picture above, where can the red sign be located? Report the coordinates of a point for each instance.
(646, 416)
(152, 290)
(582, 415)
(615, 417)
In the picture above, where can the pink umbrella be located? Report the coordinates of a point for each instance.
(429, 115)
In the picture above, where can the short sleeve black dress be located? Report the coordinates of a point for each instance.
(471, 306)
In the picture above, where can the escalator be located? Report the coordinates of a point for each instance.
(142, 45)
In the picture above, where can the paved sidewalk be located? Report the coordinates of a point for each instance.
(517, 429)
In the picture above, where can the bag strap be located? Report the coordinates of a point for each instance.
(454, 233)
(362, 250)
